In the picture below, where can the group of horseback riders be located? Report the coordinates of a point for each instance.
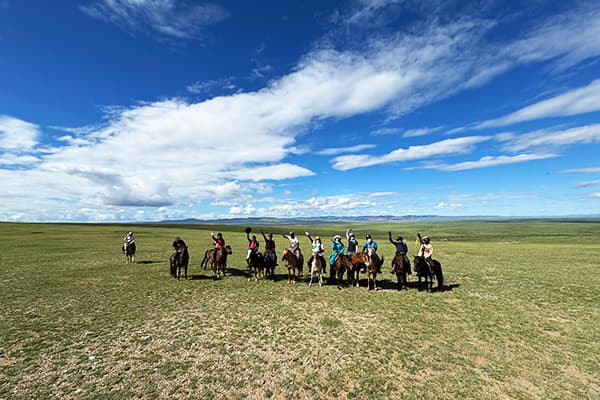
(337, 246)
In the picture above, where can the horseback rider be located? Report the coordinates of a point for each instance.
(179, 246)
(317, 246)
(252, 246)
(218, 242)
(269, 242)
(425, 250)
(337, 247)
(371, 244)
(294, 244)
(352, 242)
(401, 251)
(128, 240)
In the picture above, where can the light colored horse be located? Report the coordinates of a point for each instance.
(316, 268)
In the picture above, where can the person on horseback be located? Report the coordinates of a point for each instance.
(317, 246)
(269, 242)
(179, 247)
(337, 247)
(352, 242)
(425, 250)
(294, 244)
(401, 251)
(252, 246)
(128, 240)
(371, 244)
(218, 242)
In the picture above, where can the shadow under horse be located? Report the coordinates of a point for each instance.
(428, 272)
(179, 260)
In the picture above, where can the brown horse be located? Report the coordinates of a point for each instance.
(368, 262)
(292, 263)
(208, 257)
(401, 266)
(342, 264)
(428, 272)
(220, 262)
(129, 251)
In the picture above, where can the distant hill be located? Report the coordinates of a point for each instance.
(320, 220)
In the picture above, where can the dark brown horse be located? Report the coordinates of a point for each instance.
(256, 265)
(270, 262)
(129, 251)
(292, 263)
(342, 264)
(220, 262)
(179, 260)
(428, 272)
(401, 267)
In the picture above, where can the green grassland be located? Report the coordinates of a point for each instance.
(519, 320)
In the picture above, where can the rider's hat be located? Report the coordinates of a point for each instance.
(368, 236)
(399, 238)
(337, 237)
(178, 237)
(130, 233)
(219, 234)
(426, 238)
(292, 233)
(318, 238)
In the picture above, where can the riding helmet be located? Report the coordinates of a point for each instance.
(368, 236)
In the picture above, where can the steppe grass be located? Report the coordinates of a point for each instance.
(519, 318)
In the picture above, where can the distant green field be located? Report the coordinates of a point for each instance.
(520, 319)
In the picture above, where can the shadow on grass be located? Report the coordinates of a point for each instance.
(147, 262)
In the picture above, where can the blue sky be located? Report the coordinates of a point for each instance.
(143, 110)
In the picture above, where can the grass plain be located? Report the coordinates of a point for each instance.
(519, 319)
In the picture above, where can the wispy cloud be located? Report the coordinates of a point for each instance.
(445, 147)
(385, 131)
(163, 19)
(489, 161)
(420, 131)
(559, 138)
(349, 149)
(585, 170)
(578, 101)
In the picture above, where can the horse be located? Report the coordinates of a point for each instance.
(316, 267)
(342, 264)
(178, 260)
(129, 251)
(367, 261)
(424, 271)
(208, 256)
(292, 263)
(270, 262)
(401, 266)
(255, 263)
(220, 261)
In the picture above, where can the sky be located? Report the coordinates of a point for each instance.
(147, 110)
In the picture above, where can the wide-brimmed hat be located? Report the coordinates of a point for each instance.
(337, 237)
(426, 238)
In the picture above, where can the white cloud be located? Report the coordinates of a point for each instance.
(445, 147)
(385, 131)
(560, 138)
(165, 18)
(578, 101)
(349, 149)
(583, 170)
(443, 205)
(489, 161)
(420, 132)
(17, 135)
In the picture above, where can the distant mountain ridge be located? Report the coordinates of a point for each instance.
(320, 220)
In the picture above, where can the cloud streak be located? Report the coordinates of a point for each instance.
(163, 18)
